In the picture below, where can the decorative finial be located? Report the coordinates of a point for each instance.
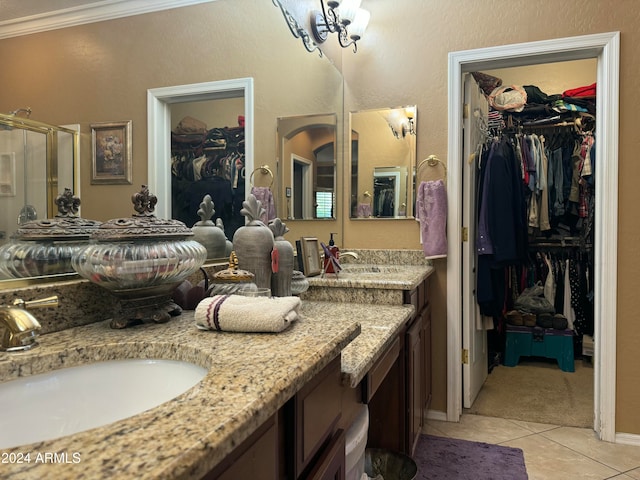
(252, 209)
(233, 261)
(206, 211)
(144, 202)
(67, 204)
(278, 227)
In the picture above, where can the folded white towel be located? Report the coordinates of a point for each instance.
(236, 313)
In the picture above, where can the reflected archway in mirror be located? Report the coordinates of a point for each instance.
(383, 157)
(307, 167)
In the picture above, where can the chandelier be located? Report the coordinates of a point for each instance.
(345, 18)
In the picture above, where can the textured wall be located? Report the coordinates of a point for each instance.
(403, 60)
(101, 72)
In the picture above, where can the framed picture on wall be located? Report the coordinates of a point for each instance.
(8, 174)
(111, 150)
(311, 256)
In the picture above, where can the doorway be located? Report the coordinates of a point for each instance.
(159, 101)
(605, 48)
(302, 187)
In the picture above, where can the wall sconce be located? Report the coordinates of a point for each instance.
(345, 18)
(296, 30)
(409, 127)
(401, 121)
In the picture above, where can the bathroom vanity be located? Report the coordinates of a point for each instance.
(271, 405)
(397, 388)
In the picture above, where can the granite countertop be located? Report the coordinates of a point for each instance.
(379, 327)
(371, 283)
(251, 376)
(378, 276)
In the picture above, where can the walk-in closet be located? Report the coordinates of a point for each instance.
(207, 158)
(531, 161)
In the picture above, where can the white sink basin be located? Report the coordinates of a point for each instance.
(71, 400)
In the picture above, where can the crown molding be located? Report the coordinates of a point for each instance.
(90, 13)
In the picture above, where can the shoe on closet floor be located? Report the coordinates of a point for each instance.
(544, 320)
(560, 322)
(514, 318)
(529, 319)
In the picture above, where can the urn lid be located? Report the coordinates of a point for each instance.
(66, 225)
(142, 225)
(232, 274)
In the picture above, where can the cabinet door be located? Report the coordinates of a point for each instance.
(256, 458)
(331, 465)
(415, 380)
(427, 362)
(317, 409)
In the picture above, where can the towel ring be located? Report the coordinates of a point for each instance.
(265, 170)
(431, 161)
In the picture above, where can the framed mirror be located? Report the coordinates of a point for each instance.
(383, 159)
(264, 63)
(307, 167)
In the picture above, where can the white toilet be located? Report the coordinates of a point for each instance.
(356, 442)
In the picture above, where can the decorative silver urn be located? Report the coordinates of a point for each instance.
(46, 247)
(141, 260)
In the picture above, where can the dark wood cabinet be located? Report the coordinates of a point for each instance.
(399, 401)
(313, 416)
(306, 438)
(256, 458)
(427, 363)
(331, 464)
(302, 440)
(415, 381)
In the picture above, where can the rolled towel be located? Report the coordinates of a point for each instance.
(236, 313)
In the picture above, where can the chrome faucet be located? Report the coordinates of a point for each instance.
(353, 255)
(21, 327)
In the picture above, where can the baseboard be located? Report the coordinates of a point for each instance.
(436, 415)
(628, 439)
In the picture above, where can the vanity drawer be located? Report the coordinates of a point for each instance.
(317, 409)
(379, 371)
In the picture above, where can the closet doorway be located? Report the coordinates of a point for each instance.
(159, 101)
(605, 49)
(559, 248)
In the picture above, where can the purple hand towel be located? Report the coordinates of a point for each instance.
(431, 212)
(265, 196)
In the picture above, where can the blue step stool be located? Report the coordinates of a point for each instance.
(539, 342)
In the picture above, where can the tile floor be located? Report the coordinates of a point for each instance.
(550, 452)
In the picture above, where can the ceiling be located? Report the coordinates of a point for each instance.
(13, 9)
(22, 17)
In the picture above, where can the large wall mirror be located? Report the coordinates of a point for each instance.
(383, 159)
(247, 42)
(307, 167)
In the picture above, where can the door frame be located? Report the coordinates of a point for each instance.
(306, 187)
(159, 102)
(605, 47)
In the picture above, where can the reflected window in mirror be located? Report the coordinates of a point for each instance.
(383, 157)
(307, 167)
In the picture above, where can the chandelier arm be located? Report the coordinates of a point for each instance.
(297, 31)
(331, 18)
(343, 39)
